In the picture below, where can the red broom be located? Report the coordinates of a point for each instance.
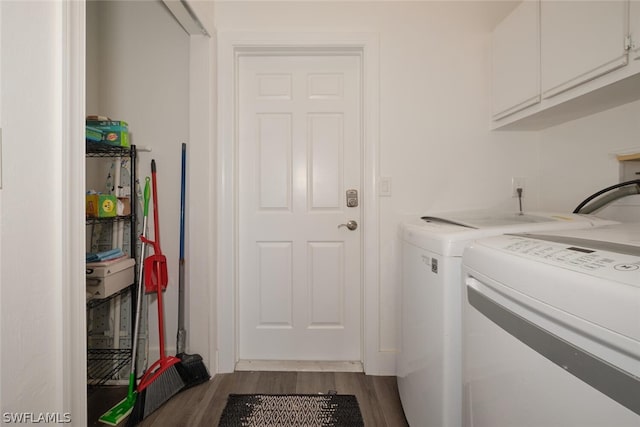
(164, 378)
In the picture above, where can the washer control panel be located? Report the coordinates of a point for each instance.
(601, 263)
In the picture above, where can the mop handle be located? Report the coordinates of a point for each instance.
(140, 294)
(156, 220)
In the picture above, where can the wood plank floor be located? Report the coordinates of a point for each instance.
(202, 405)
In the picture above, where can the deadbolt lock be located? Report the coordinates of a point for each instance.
(352, 198)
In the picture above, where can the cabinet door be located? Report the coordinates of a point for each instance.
(580, 40)
(516, 60)
(634, 29)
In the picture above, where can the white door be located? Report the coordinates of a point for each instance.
(299, 152)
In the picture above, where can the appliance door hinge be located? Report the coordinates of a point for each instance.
(628, 43)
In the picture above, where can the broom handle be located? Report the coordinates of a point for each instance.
(182, 198)
(156, 227)
(163, 355)
(182, 333)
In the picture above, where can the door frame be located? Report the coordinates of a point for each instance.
(232, 46)
(73, 357)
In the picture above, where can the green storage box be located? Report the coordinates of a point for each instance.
(115, 132)
(101, 205)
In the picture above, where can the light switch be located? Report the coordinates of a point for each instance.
(384, 186)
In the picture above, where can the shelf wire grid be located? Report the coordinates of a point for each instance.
(104, 365)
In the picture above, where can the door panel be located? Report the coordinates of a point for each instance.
(327, 286)
(326, 147)
(274, 154)
(274, 284)
(299, 151)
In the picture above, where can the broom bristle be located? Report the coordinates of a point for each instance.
(165, 386)
(194, 370)
(162, 389)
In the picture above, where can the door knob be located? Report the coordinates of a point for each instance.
(351, 225)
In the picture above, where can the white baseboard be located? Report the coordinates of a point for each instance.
(298, 366)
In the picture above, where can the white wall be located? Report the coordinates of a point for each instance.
(579, 158)
(434, 110)
(142, 77)
(93, 62)
(201, 183)
(32, 264)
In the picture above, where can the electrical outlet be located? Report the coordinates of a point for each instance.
(518, 182)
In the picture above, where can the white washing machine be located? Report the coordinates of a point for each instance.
(429, 360)
(552, 329)
(626, 209)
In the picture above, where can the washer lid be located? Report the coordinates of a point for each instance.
(477, 219)
(448, 233)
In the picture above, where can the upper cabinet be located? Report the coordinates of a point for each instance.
(634, 29)
(558, 60)
(580, 40)
(516, 59)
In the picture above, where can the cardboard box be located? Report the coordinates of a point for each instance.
(101, 205)
(124, 206)
(115, 132)
(93, 134)
(106, 278)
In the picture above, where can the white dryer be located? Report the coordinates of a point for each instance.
(552, 329)
(429, 361)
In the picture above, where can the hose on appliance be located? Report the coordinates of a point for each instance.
(633, 187)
